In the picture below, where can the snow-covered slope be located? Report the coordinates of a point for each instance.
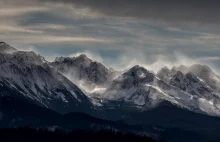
(142, 88)
(28, 76)
(205, 74)
(187, 82)
(83, 71)
(6, 48)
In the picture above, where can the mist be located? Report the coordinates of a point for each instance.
(152, 62)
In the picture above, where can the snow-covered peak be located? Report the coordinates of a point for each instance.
(181, 68)
(193, 85)
(28, 75)
(179, 80)
(23, 58)
(80, 58)
(163, 74)
(205, 73)
(83, 57)
(29, 56)
(183, 72)
(202, 69)
(4, 47)
(2, 43)
(83, 71)
(183, 90)
(192, 77)
(112, 69)
(164, 70)
(19, 57)
(59, 59)
(138, 72)
(179, 75)
(133, 77)
(196, 69)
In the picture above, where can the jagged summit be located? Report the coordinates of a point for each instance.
(133, 77)
(192, 77)
(82, 60)
(83, 57)
(29, 56)
(83, 69)
(138, 72)
(19, 57)
(203, 69)
(180, 85)
(163, 73)
(182, 68)
(6, 48)
(28, 76)
(195, 68)
(138, 86)
(24, 58)
(111, 69)
(136, 68)
(165, 68)
(2, 43)
(59, 59)
(205, 74)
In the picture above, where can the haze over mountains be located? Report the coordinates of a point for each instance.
(133, 98)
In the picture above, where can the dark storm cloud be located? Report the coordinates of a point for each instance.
(202, 11)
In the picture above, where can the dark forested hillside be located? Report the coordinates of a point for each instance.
(56, 135)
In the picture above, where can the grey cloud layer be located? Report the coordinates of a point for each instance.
(107, 27)
(202, 11)
(181, 11)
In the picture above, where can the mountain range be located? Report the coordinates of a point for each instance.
(78, 92)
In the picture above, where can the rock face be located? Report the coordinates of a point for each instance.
(28, 76)
(84, 71)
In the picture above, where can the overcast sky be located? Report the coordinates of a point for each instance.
(119, 33)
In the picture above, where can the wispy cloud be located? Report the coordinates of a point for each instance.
(92, 55)
(187, 11)
(47, 39)
(15, 28)
(44, 26)
(209, 58)
(13, 11)
(127, 37)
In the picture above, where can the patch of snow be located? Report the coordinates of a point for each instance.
(97, 89)
(157, 78)
(30, 74)
(208, 107)
(158, 89)
(62, 96)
